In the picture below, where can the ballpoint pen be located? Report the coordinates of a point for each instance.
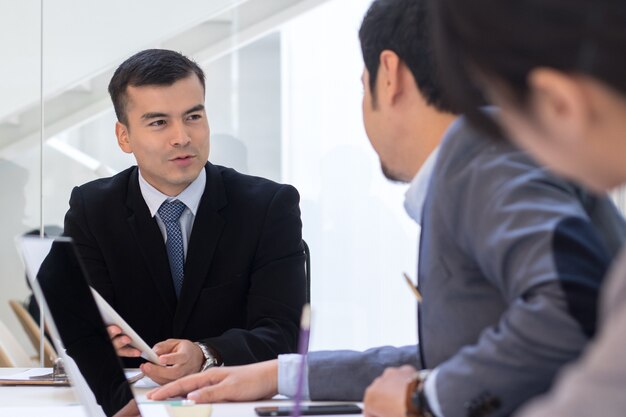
(417, 293)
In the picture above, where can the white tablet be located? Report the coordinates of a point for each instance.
(110, 316)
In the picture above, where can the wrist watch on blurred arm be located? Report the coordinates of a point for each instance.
(416, 401)
(210, 359)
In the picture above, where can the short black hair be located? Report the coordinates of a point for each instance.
(402, 26)
(503, 41)
(149, 67)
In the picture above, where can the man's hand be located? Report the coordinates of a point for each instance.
(179, 357)
(254, 382)
(121, 342)
(386, 396)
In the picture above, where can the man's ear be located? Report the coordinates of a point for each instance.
(560, 104)
(389, 82)
(121, 131)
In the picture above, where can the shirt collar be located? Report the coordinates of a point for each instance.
(415, 196)
(190, 196)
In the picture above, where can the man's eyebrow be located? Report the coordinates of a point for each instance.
(154, 115)
(198, 107)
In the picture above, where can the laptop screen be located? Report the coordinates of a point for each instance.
(62, 283)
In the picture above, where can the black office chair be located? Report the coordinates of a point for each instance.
(307, 270)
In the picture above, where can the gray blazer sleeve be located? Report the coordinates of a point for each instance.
(533, 241)
(595, 384)
(343, 375)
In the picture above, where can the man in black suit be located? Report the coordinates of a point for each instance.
(221, 282)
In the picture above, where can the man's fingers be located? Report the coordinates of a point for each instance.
(162, 374)
(210, 394)
(120, 341)
(183, 386)
(128, 352)
(165, 346)
(173, 358)
(113, 330)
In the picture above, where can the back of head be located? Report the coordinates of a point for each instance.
(402, 27)
(149, 67)
(504, 41)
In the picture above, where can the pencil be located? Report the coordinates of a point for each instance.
(413, 287)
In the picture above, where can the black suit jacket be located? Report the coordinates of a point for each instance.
(244, 281)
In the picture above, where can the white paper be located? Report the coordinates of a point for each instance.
(25, 375)
(144, 382)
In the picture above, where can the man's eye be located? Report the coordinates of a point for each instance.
(194, 117)
(157, 123)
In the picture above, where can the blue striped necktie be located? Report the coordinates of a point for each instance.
(170, 212)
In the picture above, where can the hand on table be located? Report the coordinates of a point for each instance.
(232, 383)
(386, 396)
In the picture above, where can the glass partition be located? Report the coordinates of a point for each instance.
(278, 105)
(20, 150)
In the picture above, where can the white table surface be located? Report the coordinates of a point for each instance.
(26, 401)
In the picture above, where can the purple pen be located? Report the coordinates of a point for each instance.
(303, 347)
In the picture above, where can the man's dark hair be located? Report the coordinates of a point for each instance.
(149, 67)
(503, 41)
(402, 27)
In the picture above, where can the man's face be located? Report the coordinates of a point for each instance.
(378, 130)
(168, 133)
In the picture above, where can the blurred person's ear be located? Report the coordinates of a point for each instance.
(389, 82)
(560, 105)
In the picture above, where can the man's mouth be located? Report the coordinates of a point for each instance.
(182, 158)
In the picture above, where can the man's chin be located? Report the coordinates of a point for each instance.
(392, 175)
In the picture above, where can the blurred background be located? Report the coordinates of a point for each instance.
(283, 100)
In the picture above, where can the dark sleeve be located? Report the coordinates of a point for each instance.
(77, 227)
(277, 289)
(532, 239)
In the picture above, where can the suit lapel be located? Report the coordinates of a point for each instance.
(150, 243)
(206, 232)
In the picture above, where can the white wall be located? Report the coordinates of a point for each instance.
(83, 37)
(360, 237)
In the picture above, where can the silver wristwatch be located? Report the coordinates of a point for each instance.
(209, 360)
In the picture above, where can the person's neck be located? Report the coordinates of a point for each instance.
(431, 131)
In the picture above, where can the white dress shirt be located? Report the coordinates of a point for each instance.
(190, 196)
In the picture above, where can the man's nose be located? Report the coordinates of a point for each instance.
(180, 136)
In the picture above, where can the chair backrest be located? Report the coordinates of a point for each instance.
(12, 354)
(307, 269)
(33, 332)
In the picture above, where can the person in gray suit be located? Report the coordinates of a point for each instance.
(571, 114)
(510, 265)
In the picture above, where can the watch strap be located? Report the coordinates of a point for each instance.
(209, 359)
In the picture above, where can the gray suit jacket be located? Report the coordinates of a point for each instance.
(511, 261)
(594, 385)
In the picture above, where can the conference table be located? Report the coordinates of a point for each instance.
(50, 401)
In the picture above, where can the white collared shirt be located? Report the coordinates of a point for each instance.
(415, 196)
(190, 196)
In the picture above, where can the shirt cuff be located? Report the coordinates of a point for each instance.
(288, 368)
(430, 391)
